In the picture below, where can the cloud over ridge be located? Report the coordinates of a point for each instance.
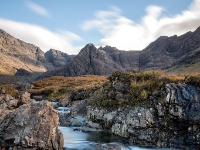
(126, 34)
(40, 36)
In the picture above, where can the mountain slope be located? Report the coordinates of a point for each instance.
(187, 64)
(58, 58)
(127, 59)
(16, 56)
(90, 60)
(167, 50)
(21, 61)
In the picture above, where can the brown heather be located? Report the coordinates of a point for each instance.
(140, 88)
(58, 87)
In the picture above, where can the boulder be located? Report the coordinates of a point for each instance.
(24, 97)
(8, 102)
(38, 97)
(31, 126)
(64, 102)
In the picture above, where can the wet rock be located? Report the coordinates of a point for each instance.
(79, 108)
(64, 119)
(64, 102)
(77, 121)
(111, 146)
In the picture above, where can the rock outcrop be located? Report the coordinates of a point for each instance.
(27, 125)
(146, 108)
(173, 123)
(7, 102)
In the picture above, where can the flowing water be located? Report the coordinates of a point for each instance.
(77, 140)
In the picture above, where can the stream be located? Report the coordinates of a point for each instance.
(77, 140)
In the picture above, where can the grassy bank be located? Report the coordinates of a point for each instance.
(58, 87)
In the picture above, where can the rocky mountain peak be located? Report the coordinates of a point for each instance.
(90, 45)
(58, 58)
(88, 49)
(108, 49)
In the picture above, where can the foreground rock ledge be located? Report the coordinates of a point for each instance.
(171, 121)
(30, 126)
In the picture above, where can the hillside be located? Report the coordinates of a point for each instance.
(17, 55)
(127, 59)
(58, 58)
(59, 87)
(21, 61)
(188, 64)
(101, 61)
(26, 62)
(167, 50)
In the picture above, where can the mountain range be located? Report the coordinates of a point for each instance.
(21, 61)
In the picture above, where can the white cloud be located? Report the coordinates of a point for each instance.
(38, 9)
(41, 37)
(125, 34)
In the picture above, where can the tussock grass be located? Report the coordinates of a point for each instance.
(10, 90)
(58, 87)
(137, 88)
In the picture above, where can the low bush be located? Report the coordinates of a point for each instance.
(10, 90)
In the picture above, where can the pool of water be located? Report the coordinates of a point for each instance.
(77, 140)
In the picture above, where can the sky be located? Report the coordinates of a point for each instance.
(68, 25)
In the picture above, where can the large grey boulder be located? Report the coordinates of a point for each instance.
(30, 126)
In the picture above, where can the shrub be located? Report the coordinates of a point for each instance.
(58, 87)
(10, 90)
(141, 87)
(193, 80)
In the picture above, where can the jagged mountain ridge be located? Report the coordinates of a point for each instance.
(23, 59)
(58, 58)
(101, 61)
(127, 59)
(167, 50)
(159, 54)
